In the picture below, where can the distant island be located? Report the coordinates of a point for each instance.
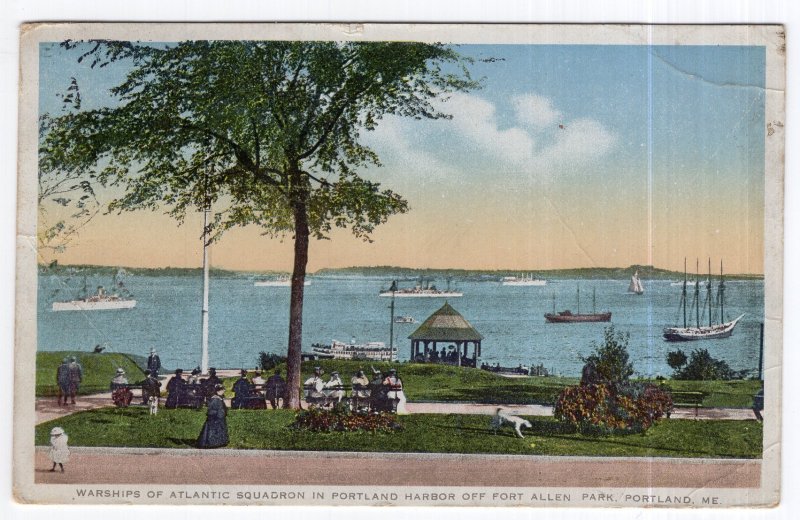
(646, 272)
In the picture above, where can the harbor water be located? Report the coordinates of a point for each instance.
(245, 320)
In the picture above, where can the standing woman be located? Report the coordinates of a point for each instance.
(59, 451)
(215, 430)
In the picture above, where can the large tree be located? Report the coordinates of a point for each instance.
(267, 132)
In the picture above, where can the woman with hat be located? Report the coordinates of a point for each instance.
(59, 451)
(215, 430)
(120, 393)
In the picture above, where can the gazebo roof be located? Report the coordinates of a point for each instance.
(446, 324)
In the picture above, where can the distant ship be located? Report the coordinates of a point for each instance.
(405, 319)
(576, 317)
(281, 281)
(711, 331)
(635, 286)
(523, 281)
(420, 291)
(102, 300)
(371, 351)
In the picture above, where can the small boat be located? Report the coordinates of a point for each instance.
(420, 290)
(635, 286)
(405, 319)
(280, 281)
(371, 351)
(523, 281)
(570, 317)
(712, 330)
(102, 300)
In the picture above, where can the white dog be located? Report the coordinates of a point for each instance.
(499, 419)
(153, 402)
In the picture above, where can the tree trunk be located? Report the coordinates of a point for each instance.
(292, 398)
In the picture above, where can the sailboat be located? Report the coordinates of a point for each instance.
(712, 330)
(635, 286)
(570, 317)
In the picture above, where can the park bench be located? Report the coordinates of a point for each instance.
(686, 399)
(375, 402)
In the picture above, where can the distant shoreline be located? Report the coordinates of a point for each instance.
(596, 273)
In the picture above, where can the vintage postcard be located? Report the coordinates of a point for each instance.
(386, 264)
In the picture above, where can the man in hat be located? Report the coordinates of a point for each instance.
(241, 390)
(75, 377)
(62, 378)
(276, 387)
(153, 363)
(333, 388)
(210, 383)
(151, 387)
(176, 388)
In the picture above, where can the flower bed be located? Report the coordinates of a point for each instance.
(343, 420)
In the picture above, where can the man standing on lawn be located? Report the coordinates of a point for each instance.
(153, 363)
(62, 378)
(75, 378)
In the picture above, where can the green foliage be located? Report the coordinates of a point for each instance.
(340, 419)
(627, 408)
(676, 359)
(269, 360)
(702, 367)
(422, 433)
(610, 360)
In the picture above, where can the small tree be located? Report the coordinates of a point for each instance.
(610, 360)
(702, 367)
(676, 359)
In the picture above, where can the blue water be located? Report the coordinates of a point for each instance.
(245, 320)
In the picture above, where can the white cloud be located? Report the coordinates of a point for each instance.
(577, 144)
(535, 110)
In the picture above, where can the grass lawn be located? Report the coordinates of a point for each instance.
(423, 433)
(98, 369)
(426, 382)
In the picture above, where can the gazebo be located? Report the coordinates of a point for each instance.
(446, 326)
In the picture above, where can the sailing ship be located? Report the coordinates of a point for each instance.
(568, 316)
(280, 281)
(712, 330)
(420, 290)
(370, 351)
(102, 300)
(523, 281)
(635, 286)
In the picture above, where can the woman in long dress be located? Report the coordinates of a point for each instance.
(59, 451)
(394, 386)
(215, 430)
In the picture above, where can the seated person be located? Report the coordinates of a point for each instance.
(176, 390)
(314, 385)
(394, 391)
(360, 385)
(210, 383)
(275, 388)
(120, 380)
(333, 388)
(242, 391)
(151, 387)
(258, 380)
(194, 378)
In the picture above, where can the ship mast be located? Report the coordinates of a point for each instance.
(708, 292)
(683, 294)
(721, 294)
(697, 292)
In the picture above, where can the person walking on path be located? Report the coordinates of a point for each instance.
(215, 430)
(153, 363)
(62, 378)
(75, 378)
(59, 451)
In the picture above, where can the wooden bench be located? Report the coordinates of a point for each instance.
(376, 403)
(686, 399)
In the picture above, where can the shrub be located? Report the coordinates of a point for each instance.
(701, 367)
(269, 360)
(340, 419)
(609, 362)
(620, 408)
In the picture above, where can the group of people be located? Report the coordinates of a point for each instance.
(445, 356)
(191, 392)
(121, 392)
(383, 392)
(69, 375)
(255, 393)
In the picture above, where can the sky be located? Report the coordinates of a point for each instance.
(568, 156)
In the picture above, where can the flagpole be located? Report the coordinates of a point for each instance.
(204, 340)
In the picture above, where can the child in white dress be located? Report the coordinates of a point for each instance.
(59, 451)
